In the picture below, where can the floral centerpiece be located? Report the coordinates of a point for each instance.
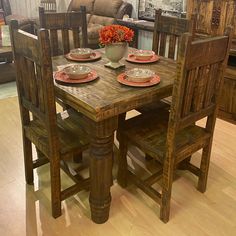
(115, 34)
(115, 38)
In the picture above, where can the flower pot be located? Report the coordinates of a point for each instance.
(115, 52)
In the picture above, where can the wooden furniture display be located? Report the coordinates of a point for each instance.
(172, 137)
(56, 136)
(213, 16)
(6, 66)
(49, 5)
(24, 22)
(101, 102)
(227, 109)
(65, 30)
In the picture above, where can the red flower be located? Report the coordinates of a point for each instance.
(115, 34)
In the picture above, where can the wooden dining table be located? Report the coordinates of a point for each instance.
(101, 102)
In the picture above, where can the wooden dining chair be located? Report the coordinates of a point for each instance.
(67, 30)
(171, 137)
(49, 5)
(56, 136)
(166, 35)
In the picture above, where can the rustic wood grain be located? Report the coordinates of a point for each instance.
(206, 25)
(171, 137)
(55, 136)
(167, 31)
(66, 29)
(101, 102)
(166, 26)
(106, 97)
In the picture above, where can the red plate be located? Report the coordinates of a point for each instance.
(131, 58)
(61, 76)
(153, 81)
(95, 56)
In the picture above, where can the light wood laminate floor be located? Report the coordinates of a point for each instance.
(25, 210)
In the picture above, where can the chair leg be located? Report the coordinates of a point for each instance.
(168, 172)
(165, 206)
(122, 162)
(28, 160)
(204, 167)
(55, 187)
(121, 122)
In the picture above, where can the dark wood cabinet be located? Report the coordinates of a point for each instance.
(213, 16)
(227, 108)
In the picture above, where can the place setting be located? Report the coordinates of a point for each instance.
(142, 57)
(138, 77)
(75, 74)
(83, 55)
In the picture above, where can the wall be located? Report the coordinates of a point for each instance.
(25, 7)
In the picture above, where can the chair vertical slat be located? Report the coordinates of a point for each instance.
(33, 84)
(172, 46)
(65, 41)
(54, 42)
(24, 74)
(190, 83)
(162, 49)
(40, 90)
(76, 39)
(211, 84)
(200, 89)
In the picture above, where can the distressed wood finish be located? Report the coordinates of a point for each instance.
(102, 101)
(106, 97)
(171, 28)
(67, 30)
(213, 16)
(206, 15)
(49, 5)
(167, 31)
(227, 108)
(171, 137)
(56, 136)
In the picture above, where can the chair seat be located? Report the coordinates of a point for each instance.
(149, 131)
(71, 135)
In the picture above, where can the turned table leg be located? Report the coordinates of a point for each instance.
(101, 152)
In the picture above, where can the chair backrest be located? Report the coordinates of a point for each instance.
(65, 29)
(5, 5)
(34, 79)
(49, 5)
(167, 31)
(201, 65)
